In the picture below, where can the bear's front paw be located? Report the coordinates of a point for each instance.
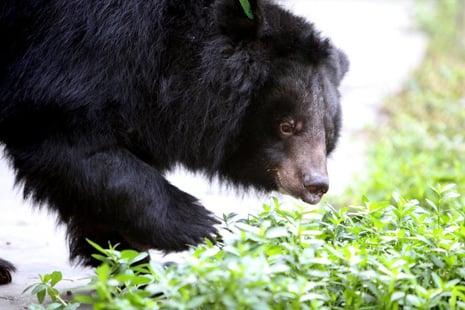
(190, 224)
(175, 222)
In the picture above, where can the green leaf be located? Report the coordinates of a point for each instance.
(55, 277)
(86, 299)
(53, 293)
(140, 280)
(55, 306)
(29, 287)
(99, 257)
(196, 302)
(72, 306)
(103, 272)
(311, 296)
(247, 8)
(38, 288)
(41, 295)
(276, 232)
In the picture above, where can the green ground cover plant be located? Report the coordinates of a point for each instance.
(377, 256)
(395, 241)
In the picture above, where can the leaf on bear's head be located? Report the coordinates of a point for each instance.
(247, 8)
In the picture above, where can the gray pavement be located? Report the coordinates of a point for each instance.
(383, 46)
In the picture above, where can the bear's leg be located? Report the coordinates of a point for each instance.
(110, 191)
(6, 268)
(136, 201)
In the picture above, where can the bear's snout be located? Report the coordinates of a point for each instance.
(308, 186)
(316, 185)
(302, 172)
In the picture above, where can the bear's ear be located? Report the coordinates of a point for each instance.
(338, 65)
(343, 62)
(239, 19)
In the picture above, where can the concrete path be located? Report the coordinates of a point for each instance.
(383, 48)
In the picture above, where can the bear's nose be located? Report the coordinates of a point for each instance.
(316, 183)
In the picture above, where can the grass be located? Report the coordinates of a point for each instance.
(400, 246)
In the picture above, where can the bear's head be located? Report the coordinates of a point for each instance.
(293, 119)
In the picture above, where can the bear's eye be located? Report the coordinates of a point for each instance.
(287, 128)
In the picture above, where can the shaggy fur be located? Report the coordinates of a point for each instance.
(5, 271)
(99, 98)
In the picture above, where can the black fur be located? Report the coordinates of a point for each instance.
(6, 268)
(99, 98)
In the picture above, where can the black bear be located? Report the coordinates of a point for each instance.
(98, 99)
